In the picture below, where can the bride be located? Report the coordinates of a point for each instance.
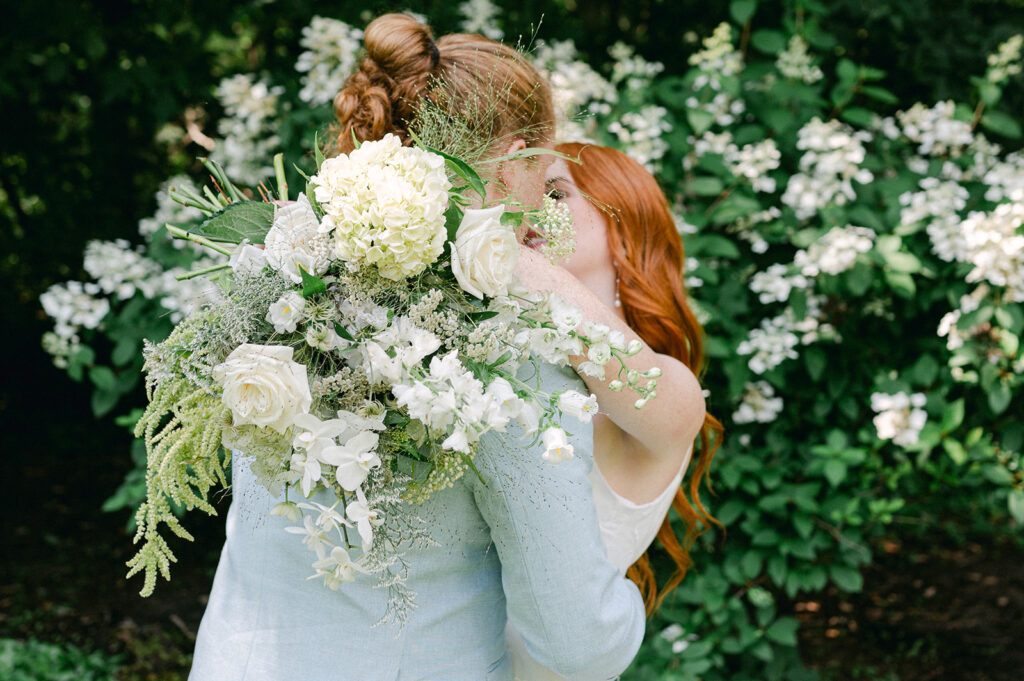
(626, 272)
(520, 538)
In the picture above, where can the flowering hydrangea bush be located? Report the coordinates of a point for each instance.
(857, 261)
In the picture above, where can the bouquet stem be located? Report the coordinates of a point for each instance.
(282, 181)
(206, 270)
(179, 233)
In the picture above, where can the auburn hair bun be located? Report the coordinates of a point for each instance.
(380, 97)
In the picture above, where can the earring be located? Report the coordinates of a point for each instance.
(618, 300)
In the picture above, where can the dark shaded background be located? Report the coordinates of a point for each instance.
(84, 89)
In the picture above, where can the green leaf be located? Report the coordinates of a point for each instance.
(742, 10)
(925, 370)
(858, 278)
(901, 283)
(1015, 504)
(317, 153)
(482, 315)
(847, 71)
(311, 285)
(715, 246)
(954, 416)
(699, 120)
(814, 358)
(768, 41)
(705, 186)
(343, 332)
(999, 397)
(783, 631)
(103, 378)
(452, 220)
(858, 116)
(902, 262)
(846, 578)
(879, 93)
(1001, 124)
(237, 222)
(103, 401)
(835, 472)
(124, 351)
(463, 170)
(955, 450)
(750, 564)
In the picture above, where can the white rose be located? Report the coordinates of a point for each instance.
(484, 253)
(247, 259)
(287, 312)
(294, 241)
(263, 386)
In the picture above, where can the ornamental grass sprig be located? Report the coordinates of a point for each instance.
(184, 464)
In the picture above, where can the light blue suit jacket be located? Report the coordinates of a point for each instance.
(527, 533)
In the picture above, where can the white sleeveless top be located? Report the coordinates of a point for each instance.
(627, 529)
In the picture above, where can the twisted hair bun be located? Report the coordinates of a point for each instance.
(381, 96)
(484, 81)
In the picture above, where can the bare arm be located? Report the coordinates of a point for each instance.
(670, 421)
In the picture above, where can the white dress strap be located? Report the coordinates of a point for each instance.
(629, 528)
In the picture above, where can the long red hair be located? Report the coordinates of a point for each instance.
(648, 253)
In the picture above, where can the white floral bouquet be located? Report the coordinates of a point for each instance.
(381, 320)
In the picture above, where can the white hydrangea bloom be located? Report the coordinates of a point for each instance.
(759, 404)
(796, 64)
(935, 130)
(331, 50)
(481, 16)
(396, 220)
(835, 251)
(900, 417)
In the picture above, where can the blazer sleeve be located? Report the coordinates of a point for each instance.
(575, 612)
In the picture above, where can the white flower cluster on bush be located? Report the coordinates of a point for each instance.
(384, 205)
(777, 338)
(835, 251)
(577, 89)
(832, 160)
(758, 404)
(900, 417)
(938, 204)
(247, 131)
(120, 270)
(796, 64)
(774, 284)
(995, 247)
(935, 130)
(331, 49)
(170, 211)
(641, 134)
(480, 16)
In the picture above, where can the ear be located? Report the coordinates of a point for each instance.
(503, 168)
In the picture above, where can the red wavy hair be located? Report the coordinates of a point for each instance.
(648, 253)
